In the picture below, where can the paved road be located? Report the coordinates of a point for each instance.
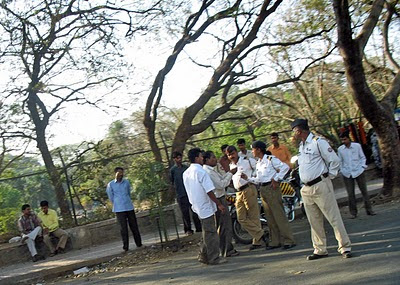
(286, 266)
(376, 249)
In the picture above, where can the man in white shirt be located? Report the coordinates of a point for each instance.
(247, 210)
(199, 188)
(318, 164)
(243, 151)
(224, 220)
(270, 171)
(352, 166)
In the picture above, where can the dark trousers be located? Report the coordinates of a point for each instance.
(362, 184)
(224, 228)
(128, 218)
(209, 248)
(186, 209)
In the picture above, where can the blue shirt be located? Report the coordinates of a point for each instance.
(120, 195)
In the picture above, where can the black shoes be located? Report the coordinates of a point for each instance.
(231, 253)
(288, 246)
(346, 254)
(371, 213)
(38, 257)
(60, 251)
(269, 247)
(316, 256)
(255, 246)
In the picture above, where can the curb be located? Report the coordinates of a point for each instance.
(29, 278)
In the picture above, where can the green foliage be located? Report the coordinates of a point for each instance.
(8, 220)
(148, 180)
(9, 196)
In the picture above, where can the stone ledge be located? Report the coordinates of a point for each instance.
(89, 235)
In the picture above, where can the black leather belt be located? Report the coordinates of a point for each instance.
(265, 183)
(316, 180)
(241, 188)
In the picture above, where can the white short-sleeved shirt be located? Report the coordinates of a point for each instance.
(198, 183)
(246, 166)
(352, 160)
(316, 157)
(267, 169)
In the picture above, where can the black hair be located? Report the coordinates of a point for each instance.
(231, 148)
(223, 147)
(24, 206)
(44, 203)
(118, 168)
(260, 145)
(344, 134)
(274, 135)
(193, 153)
(240, 141)
(207, 155)
(175, 154)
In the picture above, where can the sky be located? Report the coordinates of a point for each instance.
(84, 123)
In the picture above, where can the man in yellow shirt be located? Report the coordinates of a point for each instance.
(279, 150)
(51, 228)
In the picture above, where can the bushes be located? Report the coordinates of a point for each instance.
(8, 221)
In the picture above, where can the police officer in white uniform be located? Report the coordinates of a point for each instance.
(318, 164)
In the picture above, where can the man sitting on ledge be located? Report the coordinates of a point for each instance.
(51, 228)
(30, 227)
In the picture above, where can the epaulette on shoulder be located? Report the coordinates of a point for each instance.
(315, 138)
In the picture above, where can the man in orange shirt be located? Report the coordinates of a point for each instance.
(279, 150)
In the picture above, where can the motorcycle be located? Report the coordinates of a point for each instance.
(290, 188)
(291, 198)
(240, 235)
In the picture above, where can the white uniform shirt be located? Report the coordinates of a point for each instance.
(352, 160)
(198, 183)
(316, 157)
(267, 169)
(246, 166)
(220, 181)
(248, 154)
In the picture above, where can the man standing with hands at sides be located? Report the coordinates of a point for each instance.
(199, 188)
(224, 221)
(176, 174)
(318, 163)
(270, 170)
(279, 150)
(352, 166)
(247, 210)
(119, 193)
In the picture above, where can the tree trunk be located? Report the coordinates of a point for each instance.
(55, 179)
(40, 130)
(380, 115)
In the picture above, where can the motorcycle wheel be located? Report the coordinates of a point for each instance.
(289, 209)
(240, 235)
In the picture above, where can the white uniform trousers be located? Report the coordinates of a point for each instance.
(319, 201)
